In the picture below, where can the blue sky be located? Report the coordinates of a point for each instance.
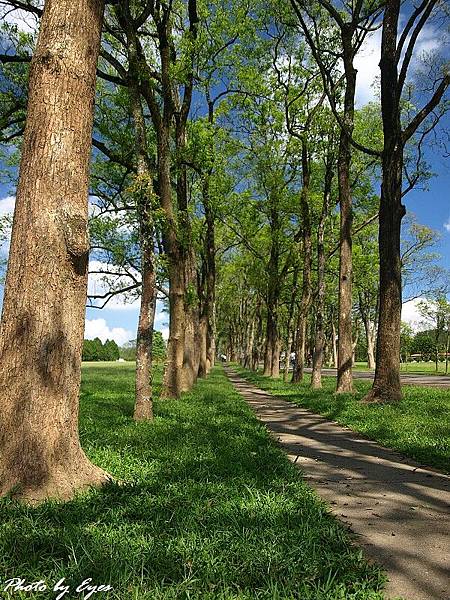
(119, 321)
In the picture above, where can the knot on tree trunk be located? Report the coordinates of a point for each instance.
(76, 236)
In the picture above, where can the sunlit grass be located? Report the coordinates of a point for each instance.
(208, 507)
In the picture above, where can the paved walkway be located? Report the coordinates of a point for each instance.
(398, 510)
(442, 381)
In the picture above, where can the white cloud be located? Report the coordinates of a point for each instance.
(99, 328)
(25, 21)
(412, 316)
(428, 40)
(165, 333)
(366, 63)
(368, 58)
(447, 225)
(7, 205)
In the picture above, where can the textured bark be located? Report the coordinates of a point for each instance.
(386, 385)
(187, 265)
(143, 408)
(370, 337)
(319, 340)
(173, 373)
(250, 343)
(334, 345)
(46, 285)
(272, 350)
(191, 352)
(210, 252)
(208, 310)
(305, 301)
(344, 367)
(163, 114)
(289, 336)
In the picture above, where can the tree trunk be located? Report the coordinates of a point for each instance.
(203, 321)
(291, 309)
(210, 253)
(173, 373)
(354, 346)
(447, 347)
(143, 408)
(334, 345)
(46, 285)
(345, 352)
(273, 294)
(370, 337)
(300, 338)
(387, 385)
(276, 359)
(191, 354)
(319, 342)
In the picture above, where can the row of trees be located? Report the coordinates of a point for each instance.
(240, 180)
(432, 343)
(95, 349)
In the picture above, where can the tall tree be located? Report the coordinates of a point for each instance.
(397, 49)
(352, 23)
(46, 284)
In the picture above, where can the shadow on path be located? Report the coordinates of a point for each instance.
(398, 510)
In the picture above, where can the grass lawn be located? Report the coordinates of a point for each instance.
(210, 508)
(419, 426)
(419, 368)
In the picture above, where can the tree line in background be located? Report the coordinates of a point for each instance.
(234, 177)
(159, 349)
(96, 350)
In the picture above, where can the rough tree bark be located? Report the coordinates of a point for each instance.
(272, 351)
(344, 365)
(42, 324)
(305, 301)
(319, 341)
(386, 385)
(173, 372)
(163, 111)
(143, 408)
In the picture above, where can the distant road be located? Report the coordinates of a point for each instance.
(442, 381)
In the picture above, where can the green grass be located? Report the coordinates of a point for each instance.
(419, 368)
(418, 426)
(210, 508)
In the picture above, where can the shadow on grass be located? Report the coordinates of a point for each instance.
(209, 508)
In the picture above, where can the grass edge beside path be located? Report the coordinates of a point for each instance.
(210, 509)
(418, 426)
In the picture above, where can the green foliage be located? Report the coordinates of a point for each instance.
(423, 343)
(208, 508)
(95, 350)
(406, 340)
(128, 350)
(159, 346)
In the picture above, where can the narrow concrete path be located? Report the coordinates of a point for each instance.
(398, 510)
